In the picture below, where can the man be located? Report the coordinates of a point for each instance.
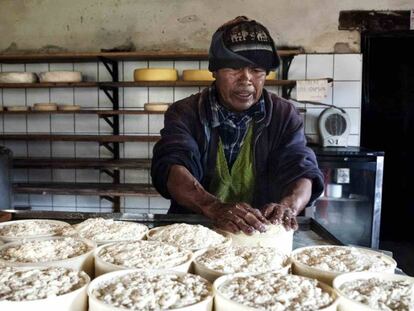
(236, 152)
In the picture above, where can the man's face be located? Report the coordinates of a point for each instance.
(240, 88)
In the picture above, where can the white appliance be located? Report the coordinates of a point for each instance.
(334, 127)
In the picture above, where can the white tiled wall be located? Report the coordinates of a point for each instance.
(344, 91)
(345, 69)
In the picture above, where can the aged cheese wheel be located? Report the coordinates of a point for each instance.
(17, 77)
(155, 74)
(271, 76)
(45, 106)
(156, 106)
(68, 107)
(60, 76)
(16, 108)
(197, 75)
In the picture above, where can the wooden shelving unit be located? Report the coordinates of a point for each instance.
(81, 163)
(101, 189)
(112, 167)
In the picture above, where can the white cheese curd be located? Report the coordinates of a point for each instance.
(144, 254)
(100, 229)
(145, 291)
(187, 236)
(32, 251)
(35, 227)
(273, 291)
(381, 294)
(33, 284)
(234, 259)
(342, 259)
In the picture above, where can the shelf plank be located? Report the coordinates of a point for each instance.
(180, 83)
(102, 112)
(89, 138)
(81, 163)
(28, 57)
(38, 85)
(137, 190)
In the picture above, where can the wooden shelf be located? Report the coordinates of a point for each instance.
(178, 83)
(91, 138)
(101, 112)
(82, 163)
(13, 58)
(39, 85)
(184, 83)
(101, 189)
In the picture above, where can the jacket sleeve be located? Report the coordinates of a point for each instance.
(177, 146)
(293, 159)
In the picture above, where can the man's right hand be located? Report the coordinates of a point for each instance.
(234, 217)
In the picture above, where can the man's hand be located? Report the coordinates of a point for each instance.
(234, 217)
(280, 214)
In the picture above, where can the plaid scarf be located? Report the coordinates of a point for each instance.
(233, 125)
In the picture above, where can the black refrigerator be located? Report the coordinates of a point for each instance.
(350, 207)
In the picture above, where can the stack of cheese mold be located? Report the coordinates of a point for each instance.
(271, 76)
(197, 75)
(370, 291)
(60, 76)
(275, 236)
(18, 77)
(40, 289)
(67, 252)
(223, 260)
(152, 255)
(329, 261)
(191, 237)
(272, 291)
(150, 290)
(155, 74)
(104, 231)
(13, 231)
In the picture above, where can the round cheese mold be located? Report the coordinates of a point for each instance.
(104, 231)
(155, 74)
(327, 262)
(53, 288)
(197, 75)
(192, 237)
(60, 76)
(150, 290)
(12, 231)
(272, 291)
(67, 252)
(152, 255)
(275, 236)
(369, 291)
(222, 260)
(18, 77)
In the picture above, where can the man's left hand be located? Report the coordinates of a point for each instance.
(280, 214)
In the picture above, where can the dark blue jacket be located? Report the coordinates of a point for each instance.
(280, 152)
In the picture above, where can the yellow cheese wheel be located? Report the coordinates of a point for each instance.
(197, 75)
(68, 107)
(45, 107)
(271, 75)
(155, 74)
(156, 106)
(16, 108)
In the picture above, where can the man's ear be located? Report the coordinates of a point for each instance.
(214, 74)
